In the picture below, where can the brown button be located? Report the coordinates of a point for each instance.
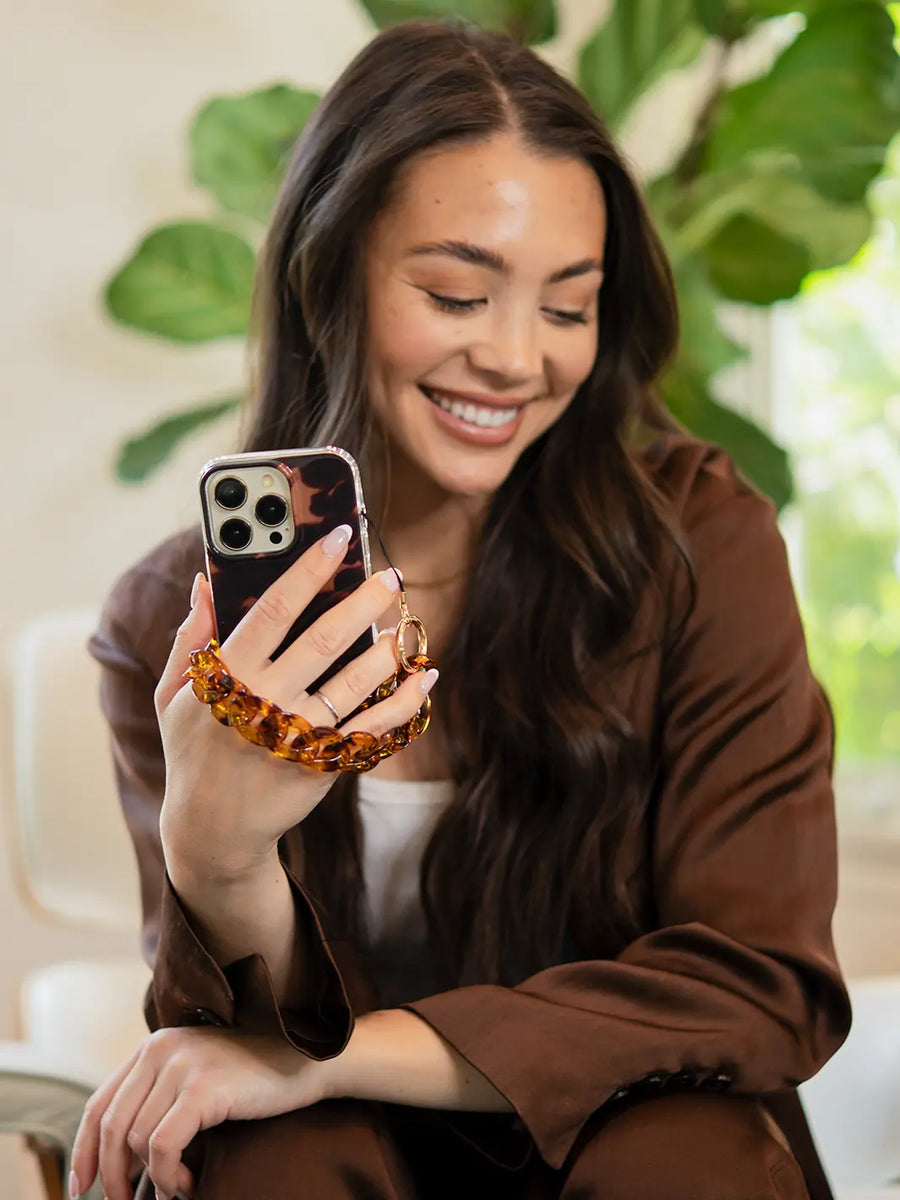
(686, 1077)
(718, 1082)
(656, 1080)
(205, 1016)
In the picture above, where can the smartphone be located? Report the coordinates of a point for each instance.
(261, 511)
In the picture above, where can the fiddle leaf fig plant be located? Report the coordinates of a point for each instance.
(635, 47)
(188, 282)
(772, 184)
(239, 145)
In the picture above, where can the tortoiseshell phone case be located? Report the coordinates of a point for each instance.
(325, 491)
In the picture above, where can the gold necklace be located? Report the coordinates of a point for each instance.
(434, 583)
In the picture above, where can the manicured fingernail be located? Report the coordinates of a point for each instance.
(74, 1186)
(428, 680)
(389, 632)
(195, 587)
(333, 543)
(389, 578)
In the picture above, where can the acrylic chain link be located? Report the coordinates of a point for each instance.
(290, 736)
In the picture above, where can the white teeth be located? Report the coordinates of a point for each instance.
(472, 414)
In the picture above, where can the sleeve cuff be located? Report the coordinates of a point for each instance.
(548, 1123)
(189, 987)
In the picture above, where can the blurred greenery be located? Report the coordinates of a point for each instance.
(771, 184)
(843, 425)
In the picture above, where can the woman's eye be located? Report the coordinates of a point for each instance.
(567, 318)
(451, 304)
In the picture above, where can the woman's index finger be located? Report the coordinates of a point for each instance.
(264, 628)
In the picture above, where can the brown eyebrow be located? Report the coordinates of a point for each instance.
(479, 256)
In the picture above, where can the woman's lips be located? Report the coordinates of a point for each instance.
(477, 424)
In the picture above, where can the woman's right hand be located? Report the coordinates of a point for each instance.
(227, 801)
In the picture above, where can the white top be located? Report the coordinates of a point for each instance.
(397, 819)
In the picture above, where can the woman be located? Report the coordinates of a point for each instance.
(622, 964)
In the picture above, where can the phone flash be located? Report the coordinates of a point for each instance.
(267, 481)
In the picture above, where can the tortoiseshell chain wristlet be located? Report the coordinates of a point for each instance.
(290, 736)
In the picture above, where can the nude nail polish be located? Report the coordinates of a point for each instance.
(74, 1186)
(389, 578)
(333, 543)
(428, 680)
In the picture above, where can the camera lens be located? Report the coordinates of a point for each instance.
(236, 534)
(230, 493)
(270, 510)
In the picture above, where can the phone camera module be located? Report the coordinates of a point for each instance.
(236, 534)
(270, 510)
(230, 493)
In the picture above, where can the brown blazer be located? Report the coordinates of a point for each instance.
(733, 984)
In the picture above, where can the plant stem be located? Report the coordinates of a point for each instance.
(688, 166)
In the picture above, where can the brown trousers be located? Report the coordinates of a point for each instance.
(682, 1147)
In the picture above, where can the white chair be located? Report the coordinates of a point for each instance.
(853, 1104)
(80, 1020)
(73, 860)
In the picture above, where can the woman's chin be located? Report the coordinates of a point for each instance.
(459, 475)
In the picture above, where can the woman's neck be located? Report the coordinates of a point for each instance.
(429, 533)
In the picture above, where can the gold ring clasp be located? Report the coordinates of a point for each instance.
(409, 621)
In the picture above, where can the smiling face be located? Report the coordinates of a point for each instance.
(482, 276)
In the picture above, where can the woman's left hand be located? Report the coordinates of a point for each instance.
(178, 1082)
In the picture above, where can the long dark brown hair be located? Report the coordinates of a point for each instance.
(550, 779)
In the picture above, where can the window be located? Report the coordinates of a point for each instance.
(835, 404)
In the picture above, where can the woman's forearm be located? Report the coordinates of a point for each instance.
(395, 1056)
(248, 914)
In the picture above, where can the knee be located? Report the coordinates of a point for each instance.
(333, 1150)
(684, 1148)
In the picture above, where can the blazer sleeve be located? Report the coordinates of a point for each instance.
(737, 985)
(132, 644)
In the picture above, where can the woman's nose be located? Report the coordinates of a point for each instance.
(509, 348)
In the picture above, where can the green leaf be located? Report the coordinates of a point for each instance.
(763, 462)
(731, 19)
(705, 347)
(143, 454)
(727, 19)
(640, 41)
(832, 233)
(748, 261)
(531, 21)
(240, 144)
(189, 282)
(827, 108)
(704, 350)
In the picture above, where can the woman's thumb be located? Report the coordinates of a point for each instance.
(193, 634)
